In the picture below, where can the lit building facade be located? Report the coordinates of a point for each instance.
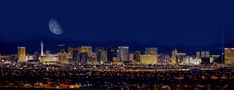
(148, 59)
(122, 53)
(75, 56)
(137, 56)
(205, 54)
(87, 49)
(101, 55)
(36, 56)
(111, 53)
(177, 58)
(21, 54)
(49, 59)
(92, 58)
(83, 58)
(174, 59)
(229, 55)
(181, 57)
(190, 61)
(131, 57)
(152, 51)
(63, 58)
(198, 54)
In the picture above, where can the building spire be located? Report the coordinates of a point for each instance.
(42, 47)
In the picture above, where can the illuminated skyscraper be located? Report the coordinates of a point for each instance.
(75, 56)
(111, 53)
(101, 55)
(36, 56)
(131, 57)
(122, 54)
(63, 58)
(42, 47)
(137, 56)
(148, 59)
(174, 57)
(229, 55)
(198, 54)
(21, 54)
(83, 58)
(92, 59)
(152, 51)
(205, 53)
(87, 49)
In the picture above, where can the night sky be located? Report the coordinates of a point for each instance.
(188, 22)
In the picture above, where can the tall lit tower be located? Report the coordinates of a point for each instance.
(21, 54)
(174, 57)
(229, 56)
(154, 52)
(42, 46)
(122, 55)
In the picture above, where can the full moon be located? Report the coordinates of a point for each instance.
(55, 27)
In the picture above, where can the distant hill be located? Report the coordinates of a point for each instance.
(32, 44)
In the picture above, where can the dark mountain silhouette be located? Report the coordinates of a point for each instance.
(32, 44)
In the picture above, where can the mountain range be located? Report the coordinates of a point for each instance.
(32, 44)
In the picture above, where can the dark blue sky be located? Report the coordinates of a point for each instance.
(188, 22)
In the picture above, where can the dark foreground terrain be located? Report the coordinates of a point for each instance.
(115, 78)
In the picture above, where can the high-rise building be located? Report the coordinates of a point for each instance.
(181, 57)
(98, 54)
(122, 53)
(205, 53)
(174, 57)
(87, 49)
(131, 57)
(75, 56)
(63, 58)
(101, 54)
(148, 59)
(229, 55)
(110, 54)
(83, 58)
(198, 54)
(137, 56)
(152, 51)
(92, 58)
(177, 58)
(21, 54)
(104, 56)
(36, 56)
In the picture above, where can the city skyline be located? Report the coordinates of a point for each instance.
(117, 45)
(122, 55)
